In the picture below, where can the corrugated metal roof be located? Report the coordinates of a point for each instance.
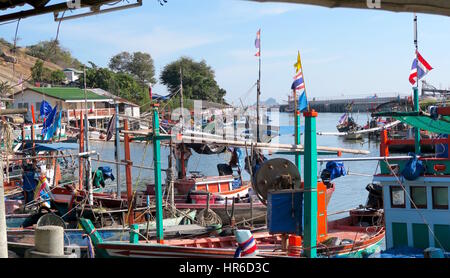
(68, 93)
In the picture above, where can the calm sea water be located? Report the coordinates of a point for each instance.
(350, 190)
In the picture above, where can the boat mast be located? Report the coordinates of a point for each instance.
(3, 239)
(258, 91)
(86, 138)
(183, 167)
(117, 149)
(416, 90)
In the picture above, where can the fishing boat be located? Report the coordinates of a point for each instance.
(416, 187)
(358, 235)
(283, 177)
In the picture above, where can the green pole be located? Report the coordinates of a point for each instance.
(157, 163)
(310, 185)
(298, 161)
(416, 130)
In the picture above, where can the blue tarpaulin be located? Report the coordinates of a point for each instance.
(56, 146)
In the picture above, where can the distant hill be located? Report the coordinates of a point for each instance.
(269, 102)
(13, 66)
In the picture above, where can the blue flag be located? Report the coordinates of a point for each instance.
(49, 120)
(302, 102)
(50, 131)
(45, 109)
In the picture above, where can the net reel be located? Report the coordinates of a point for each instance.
(275, 175)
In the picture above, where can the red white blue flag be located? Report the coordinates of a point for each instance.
(258, 43)
(419, 69)
(298, 83)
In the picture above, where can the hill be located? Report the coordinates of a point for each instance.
(15, 65)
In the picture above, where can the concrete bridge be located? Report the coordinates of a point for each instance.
(361, 104)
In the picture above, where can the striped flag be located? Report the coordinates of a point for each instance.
(299, 84)
(258, 43)
(419, 69)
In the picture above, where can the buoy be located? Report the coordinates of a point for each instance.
(246, 244)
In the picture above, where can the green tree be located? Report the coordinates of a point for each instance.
(121, 84)
(36, 71)
(120, 62)
(53, 52)
(57, 77)
(139, 64)
(198, 80)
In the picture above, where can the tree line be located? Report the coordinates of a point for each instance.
(129, 75)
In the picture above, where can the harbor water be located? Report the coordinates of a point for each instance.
(350, 190)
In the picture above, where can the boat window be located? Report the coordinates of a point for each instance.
(440, 197)
(397, 197)
(419, 196)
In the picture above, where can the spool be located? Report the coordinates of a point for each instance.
(295, 246)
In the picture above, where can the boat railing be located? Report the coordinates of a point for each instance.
(433, 164)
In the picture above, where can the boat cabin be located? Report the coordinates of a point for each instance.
(417, 212)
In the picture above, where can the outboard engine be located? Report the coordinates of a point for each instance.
(375, 199)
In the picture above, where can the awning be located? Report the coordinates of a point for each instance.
(441, 126)
(440, 7)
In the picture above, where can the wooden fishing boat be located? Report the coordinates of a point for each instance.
(346, 237)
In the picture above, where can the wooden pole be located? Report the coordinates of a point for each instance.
(298, 160)
(3, 238)
(281, 147)
(258, 91)
(117, 150)
(81, 160)
(86, 133)
(128, 174)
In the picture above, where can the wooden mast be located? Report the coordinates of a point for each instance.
(128, 174)
(86, 137)
(81, 160)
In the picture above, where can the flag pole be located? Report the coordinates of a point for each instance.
(303, 74)
(416, 89)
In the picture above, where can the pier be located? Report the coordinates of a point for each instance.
(360, 103)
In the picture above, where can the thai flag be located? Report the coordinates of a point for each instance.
(419, 69)
(257, 43)
(298, 83)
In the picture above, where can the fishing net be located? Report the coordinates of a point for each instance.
(207, 217)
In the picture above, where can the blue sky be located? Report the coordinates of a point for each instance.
(344, 51)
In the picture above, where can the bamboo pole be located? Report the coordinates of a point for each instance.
(3, 238)
(289, 147)
(128, 175)
(81, 161)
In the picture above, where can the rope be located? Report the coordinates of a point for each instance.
(207, 217)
